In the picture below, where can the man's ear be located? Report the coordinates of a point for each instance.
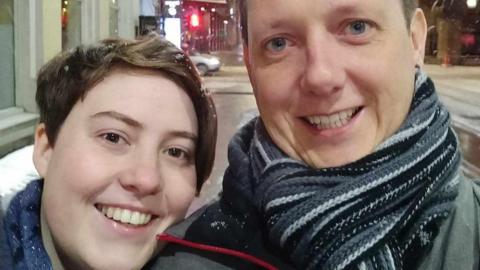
(418, 29)
(42, 150)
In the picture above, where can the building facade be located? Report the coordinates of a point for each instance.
(209, 25)
(31, 33)
(454, 31)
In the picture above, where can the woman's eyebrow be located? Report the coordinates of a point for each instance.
(183, 134)
(118, 116)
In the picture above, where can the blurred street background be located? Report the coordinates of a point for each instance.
(33, 31)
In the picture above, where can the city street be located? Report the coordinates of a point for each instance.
(459, 89)
(235, 105)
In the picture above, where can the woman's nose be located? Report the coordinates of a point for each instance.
(144, 178)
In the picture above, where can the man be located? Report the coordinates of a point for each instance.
(352, 163)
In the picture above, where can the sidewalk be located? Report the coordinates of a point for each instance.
(459, 89)
(454, 72)
(462, 82)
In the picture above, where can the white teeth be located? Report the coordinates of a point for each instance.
(332, 121)
(109, 212)
(117, 214)
(135, 218)
(126, 216)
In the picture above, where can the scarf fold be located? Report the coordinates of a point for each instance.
(22, 227)
(371, 214)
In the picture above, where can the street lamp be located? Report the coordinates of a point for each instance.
(471, 3)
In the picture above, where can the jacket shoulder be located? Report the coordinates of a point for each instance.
(183, 258)
(234, 241)
(457, 245)
(5, 254)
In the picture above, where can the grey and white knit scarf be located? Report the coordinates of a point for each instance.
(380, 212)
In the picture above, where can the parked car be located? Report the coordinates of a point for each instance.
(205, 63)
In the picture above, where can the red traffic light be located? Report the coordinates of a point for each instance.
(194, 20)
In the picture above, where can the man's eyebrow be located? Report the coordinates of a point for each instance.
(118, 116)
(344, 7)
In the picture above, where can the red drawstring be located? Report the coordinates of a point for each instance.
(231, 252)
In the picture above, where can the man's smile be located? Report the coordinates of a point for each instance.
(336, 120)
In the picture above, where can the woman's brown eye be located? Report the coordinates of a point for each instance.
(112, 137)
(175, 152)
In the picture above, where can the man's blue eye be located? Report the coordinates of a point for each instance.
(277, 44)
(357, 27)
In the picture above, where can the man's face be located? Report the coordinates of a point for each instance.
(122, 170)
(332, 78)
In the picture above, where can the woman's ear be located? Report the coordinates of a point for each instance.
(42, 150)
(418, 29)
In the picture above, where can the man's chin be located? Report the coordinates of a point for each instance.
(335, 156)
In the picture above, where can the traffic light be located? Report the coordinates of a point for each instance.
(194, 20)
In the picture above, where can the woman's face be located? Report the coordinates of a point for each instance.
(121, 171)
(332, 79)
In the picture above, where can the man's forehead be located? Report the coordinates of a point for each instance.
(325, 6)
(277, 13)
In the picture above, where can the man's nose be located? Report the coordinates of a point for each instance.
(323, 71)
(144, 177)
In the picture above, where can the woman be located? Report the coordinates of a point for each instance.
(353, 163)
(125, 141)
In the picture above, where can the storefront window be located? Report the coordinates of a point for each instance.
(113, 18)
(71, 23)
(7, 69)
(454, 31)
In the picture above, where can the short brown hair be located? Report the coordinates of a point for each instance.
(408, 6)
(67, 78)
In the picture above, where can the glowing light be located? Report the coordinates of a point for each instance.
(472, 3)
(172, 11)
(194, 20)
(213, 10)
(225, 22)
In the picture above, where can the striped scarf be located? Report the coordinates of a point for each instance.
(380, 212)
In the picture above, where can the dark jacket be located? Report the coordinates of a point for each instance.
(226, 234)
(22, 247)
(231, 223)
(5, 254)
(457, 245)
